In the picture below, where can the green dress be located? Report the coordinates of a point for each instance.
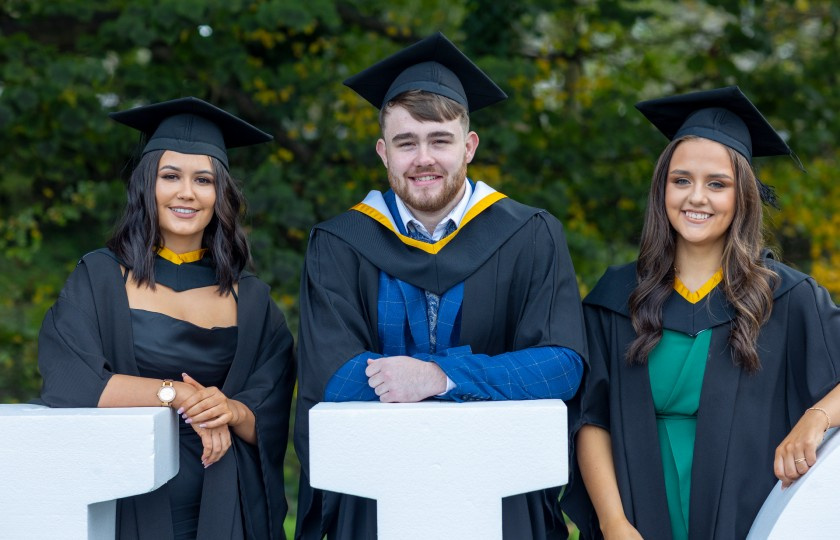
(676, 367)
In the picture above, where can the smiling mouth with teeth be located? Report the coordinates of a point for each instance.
(696, 215)
(184, 210)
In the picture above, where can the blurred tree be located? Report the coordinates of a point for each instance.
(568, 139)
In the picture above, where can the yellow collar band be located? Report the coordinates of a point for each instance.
(375, 208)
(700, 293)
(180, 258)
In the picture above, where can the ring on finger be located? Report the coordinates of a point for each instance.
(799, 460)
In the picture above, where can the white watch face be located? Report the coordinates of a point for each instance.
(166, 393)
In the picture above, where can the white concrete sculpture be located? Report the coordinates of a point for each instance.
(62, 469)
(810, 507)
(438, 469)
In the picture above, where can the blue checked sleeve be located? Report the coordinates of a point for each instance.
(533, 373)
(349, 382)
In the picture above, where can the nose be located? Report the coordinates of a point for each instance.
(424, 156)
(698, 194)
(185, 190)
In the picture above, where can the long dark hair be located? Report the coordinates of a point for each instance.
(138, 233)
(747, 283)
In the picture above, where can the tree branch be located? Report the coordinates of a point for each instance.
(59, 31)
(350, 15)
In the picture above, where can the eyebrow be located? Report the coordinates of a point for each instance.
(404, 137)
(688, 173)
(178, 169)
(413, 136)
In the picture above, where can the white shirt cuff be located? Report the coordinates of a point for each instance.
(449, 386)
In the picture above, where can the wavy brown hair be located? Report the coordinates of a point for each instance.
(747, 283)
(138, 232)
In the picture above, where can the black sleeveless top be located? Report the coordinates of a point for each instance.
(165, 347)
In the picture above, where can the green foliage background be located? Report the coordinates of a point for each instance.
(568, 139)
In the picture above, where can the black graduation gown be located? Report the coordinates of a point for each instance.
(86, 337)
(520, 291)
(742, 417)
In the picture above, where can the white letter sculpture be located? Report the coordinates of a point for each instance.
(438, 469)
(810, 507)
(61, 469)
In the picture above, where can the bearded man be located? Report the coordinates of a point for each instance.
(440, 288)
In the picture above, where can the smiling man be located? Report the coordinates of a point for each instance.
(440, 288)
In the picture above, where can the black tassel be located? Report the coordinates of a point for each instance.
(768, 194)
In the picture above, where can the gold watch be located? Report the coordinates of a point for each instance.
(166, 393)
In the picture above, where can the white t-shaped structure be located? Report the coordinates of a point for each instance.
(62, 469)
(810, 507)
(438, 469)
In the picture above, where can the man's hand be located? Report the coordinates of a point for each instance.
(402, 379)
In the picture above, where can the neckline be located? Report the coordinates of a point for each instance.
(702, 292)
(180, 258)
(139, 311)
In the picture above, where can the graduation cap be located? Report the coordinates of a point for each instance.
(190, 126)
(723, 115)
(433, 65)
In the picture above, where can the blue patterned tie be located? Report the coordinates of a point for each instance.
(432, 299)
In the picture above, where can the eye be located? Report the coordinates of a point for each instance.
(169, 176)
(203, 180)
(405, 145)
(682, 181)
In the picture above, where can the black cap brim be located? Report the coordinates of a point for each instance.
(191, 126)
(417, 68)
(704, 114)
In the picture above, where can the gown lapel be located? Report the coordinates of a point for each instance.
(643, 475)
(714, 424)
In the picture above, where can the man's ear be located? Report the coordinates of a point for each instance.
(380, 149)
(471, 145)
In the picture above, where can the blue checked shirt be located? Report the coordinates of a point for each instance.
(420, 324)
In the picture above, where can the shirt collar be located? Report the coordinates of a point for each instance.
(455, 215)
